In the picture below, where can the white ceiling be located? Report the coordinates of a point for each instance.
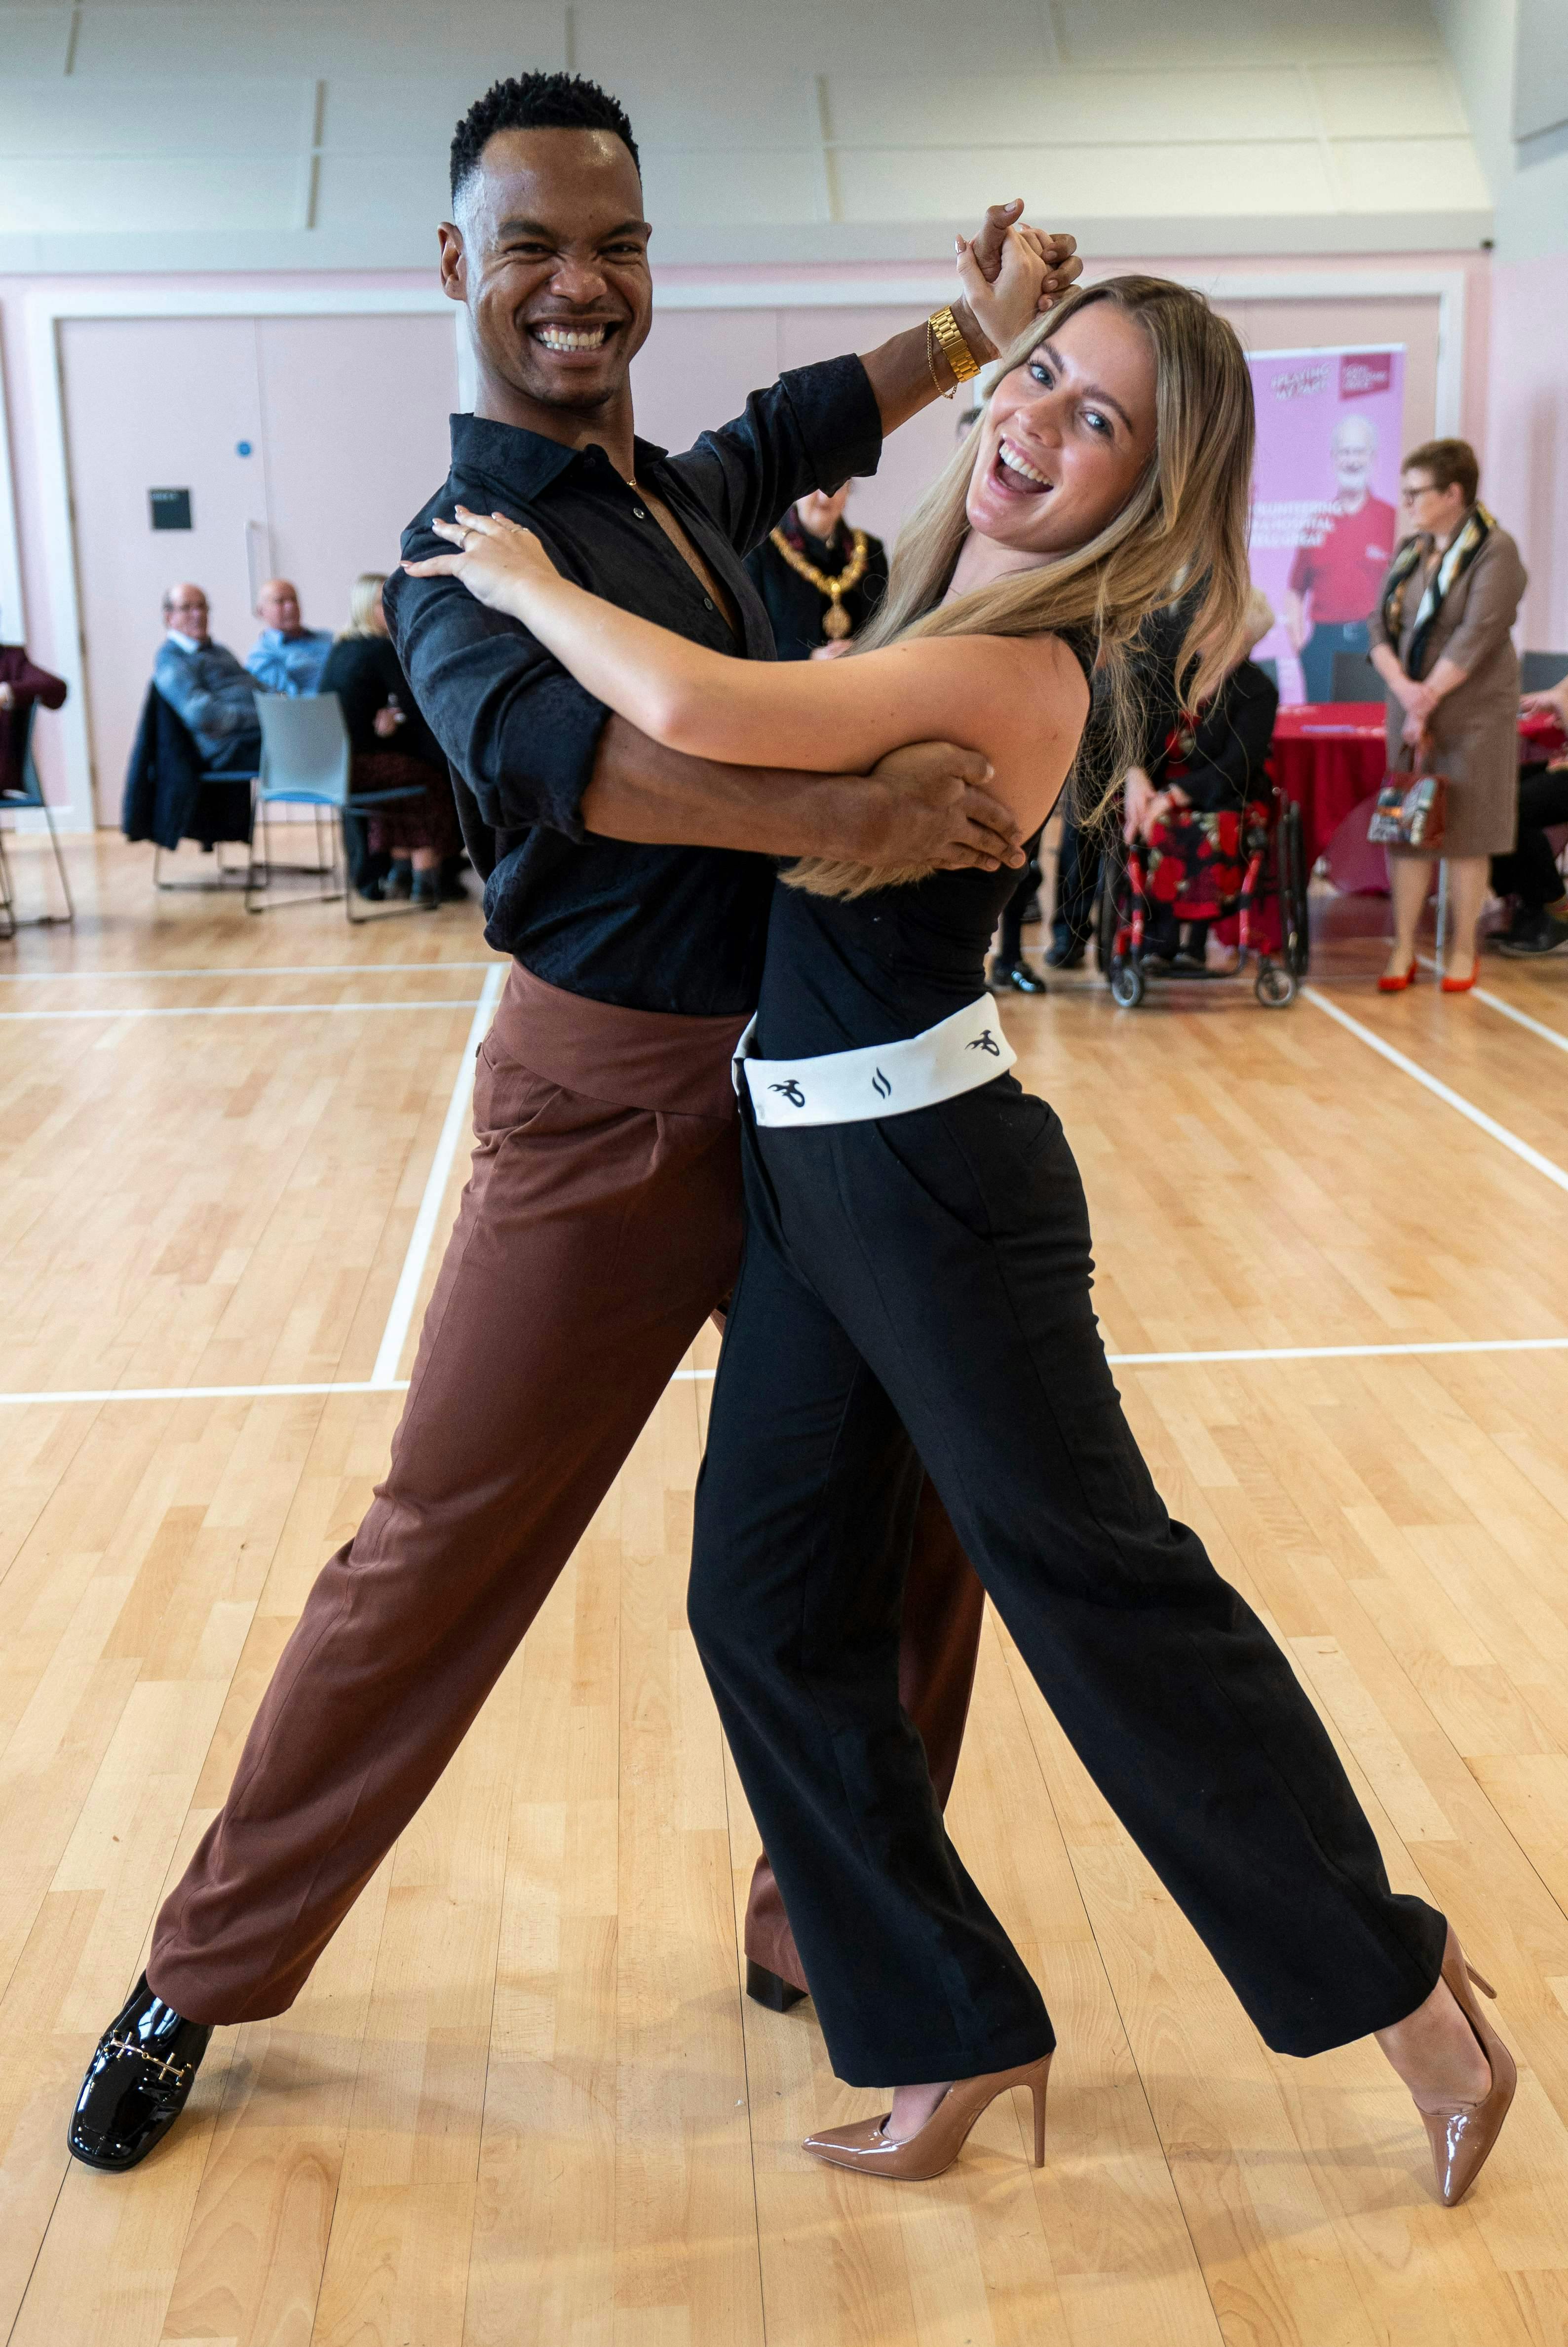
(300, 133)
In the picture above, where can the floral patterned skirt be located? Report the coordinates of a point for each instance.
(1195, 861)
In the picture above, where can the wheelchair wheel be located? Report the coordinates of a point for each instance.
(1128, 983)
(1293, 915)
(1275, 988)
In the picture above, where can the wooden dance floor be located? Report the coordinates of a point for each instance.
(523, 2102)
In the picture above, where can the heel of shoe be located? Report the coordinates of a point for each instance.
(1485, 1986)
(770, 1988)
(1038, 2087)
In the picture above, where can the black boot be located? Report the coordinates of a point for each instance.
(1065, 953)
(137, 2082)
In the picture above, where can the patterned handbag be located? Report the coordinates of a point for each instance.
(1411, 809)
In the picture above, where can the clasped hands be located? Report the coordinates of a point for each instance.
(1143, 806)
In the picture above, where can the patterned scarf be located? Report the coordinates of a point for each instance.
(1468, 541)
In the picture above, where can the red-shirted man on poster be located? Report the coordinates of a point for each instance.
(1340, 563)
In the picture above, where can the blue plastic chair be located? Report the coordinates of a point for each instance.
(31, 794)
(306, 760)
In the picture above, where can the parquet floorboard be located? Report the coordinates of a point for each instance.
(522, 2098)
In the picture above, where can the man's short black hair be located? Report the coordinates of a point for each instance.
(536, 101)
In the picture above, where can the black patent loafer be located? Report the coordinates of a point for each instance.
(137, 2082)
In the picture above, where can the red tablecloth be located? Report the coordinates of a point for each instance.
(1329, 754)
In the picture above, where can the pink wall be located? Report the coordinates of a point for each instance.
(1525, 481)
(344, 423)
(377, 416)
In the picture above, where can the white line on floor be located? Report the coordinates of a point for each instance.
(1520, 1018)
(237, 1010)
(688, 1377)
(247, 969)
(395, 1334)
(1309, 1353)
(201, 1393)
(1445, 1092)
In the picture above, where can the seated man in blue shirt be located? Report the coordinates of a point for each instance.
(205, 685)
(287, 656)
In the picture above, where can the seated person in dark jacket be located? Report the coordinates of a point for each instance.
(1187, 808)
(207, 686)
(393, 748)
(21, 684)
(820, 580)
(1528, 874)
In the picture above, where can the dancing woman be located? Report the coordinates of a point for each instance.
(916, 1220)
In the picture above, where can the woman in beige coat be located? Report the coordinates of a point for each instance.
(1441, 643)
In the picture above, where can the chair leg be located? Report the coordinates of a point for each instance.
(7, 901)
(70, 920)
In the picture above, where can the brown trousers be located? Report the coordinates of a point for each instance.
(599, 1227)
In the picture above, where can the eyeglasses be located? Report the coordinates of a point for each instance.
(1412, 492)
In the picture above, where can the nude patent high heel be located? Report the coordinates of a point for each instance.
(932, 2149)
(1464, 2134)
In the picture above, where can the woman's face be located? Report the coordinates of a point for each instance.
(1067, 435)
(378, 615)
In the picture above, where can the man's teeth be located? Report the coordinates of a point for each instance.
(572, 338)
(1017, 463)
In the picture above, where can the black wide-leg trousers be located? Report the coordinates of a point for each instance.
(914, 1290)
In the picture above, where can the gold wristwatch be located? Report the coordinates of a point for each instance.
(961, 361)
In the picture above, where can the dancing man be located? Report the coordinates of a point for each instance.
(601, 1223)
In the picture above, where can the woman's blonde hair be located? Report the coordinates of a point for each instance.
(1185, 521)
(362, 604)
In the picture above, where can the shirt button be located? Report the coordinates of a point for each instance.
(707, 602)
(638, 514)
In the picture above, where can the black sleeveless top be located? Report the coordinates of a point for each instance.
(878, 967)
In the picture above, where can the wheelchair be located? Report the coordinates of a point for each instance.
(1271, 904)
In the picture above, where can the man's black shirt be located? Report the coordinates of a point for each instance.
(655, 929)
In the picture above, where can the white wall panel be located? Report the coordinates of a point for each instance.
(403, 188)
(1067, 182)
(1238, 32)
(167, 192)
(93, 119)
(1389, 101)
(1409, 175)
(741, 186)
(778, 129)
(1178, 103)
(37, 40)
(347, 36)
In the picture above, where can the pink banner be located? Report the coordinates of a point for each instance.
(1326, 496)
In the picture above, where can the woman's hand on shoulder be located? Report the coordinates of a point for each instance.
(498, 561)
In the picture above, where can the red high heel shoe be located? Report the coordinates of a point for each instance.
(1391, 983)
(1461, 985)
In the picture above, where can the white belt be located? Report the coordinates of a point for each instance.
(955, 1056)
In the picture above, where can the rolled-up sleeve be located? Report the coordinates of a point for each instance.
(1497, 581)
(816, 428)
(522, 733)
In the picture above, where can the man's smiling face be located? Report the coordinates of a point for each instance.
(550, 254)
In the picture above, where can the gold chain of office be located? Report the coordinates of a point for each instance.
(836, 622)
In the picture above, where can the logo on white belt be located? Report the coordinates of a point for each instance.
(984, 1042)
(880, 1086)
(792, 1093)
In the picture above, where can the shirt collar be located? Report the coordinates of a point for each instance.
(522, 461)
(189, 643)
